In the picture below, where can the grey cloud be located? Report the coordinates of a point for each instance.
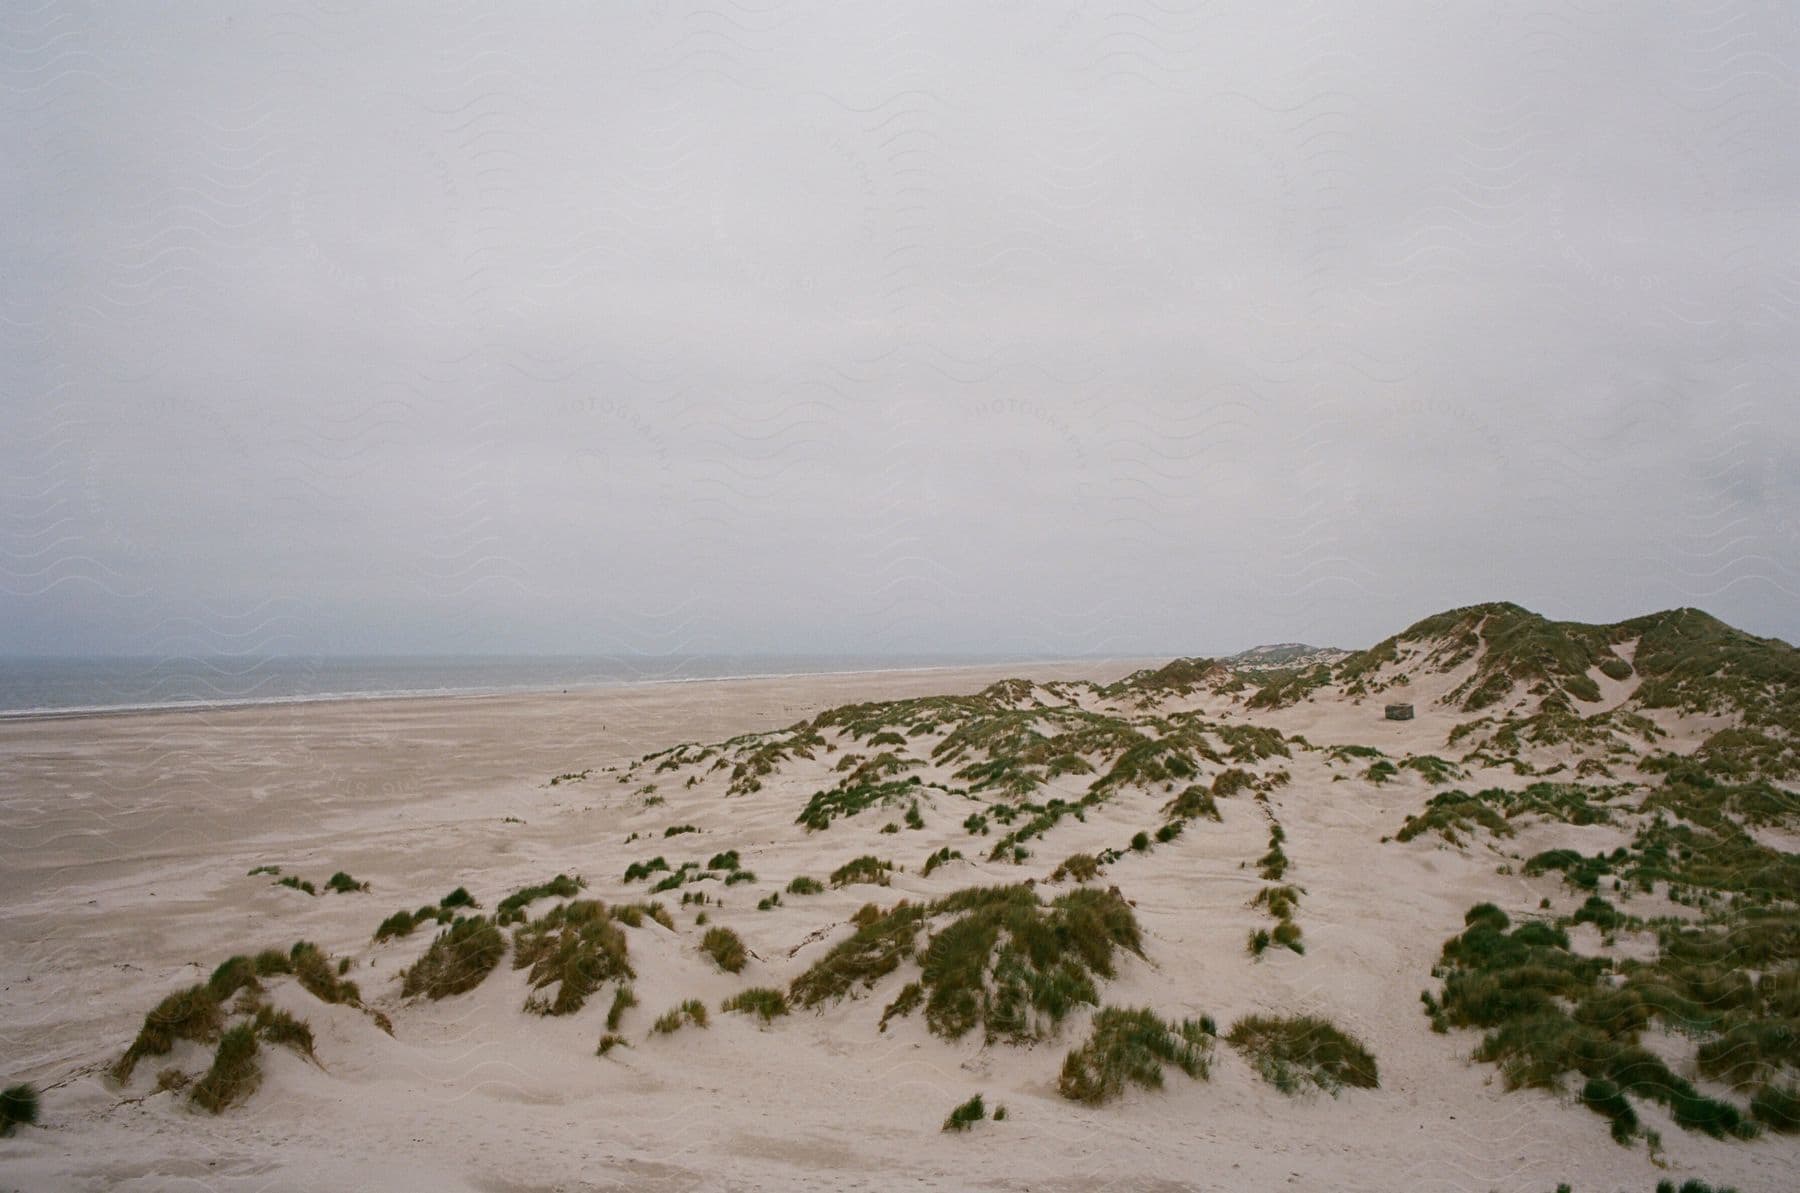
(1039, 328)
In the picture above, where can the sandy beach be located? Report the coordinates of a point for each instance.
(124, 876)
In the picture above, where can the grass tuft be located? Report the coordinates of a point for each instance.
(1777, 1107)
(939, 858)
(233, 974)
(18, 1107)
(1005, 961)
(966, 1115)
(692, 1011)
(191, 1014)
(576, 947)
(1132, 1046)
(234, 1074)
(401, 923)
(512, 908)
(278, 1027)
(867, 868)
(1082, 867)
(624, 998)
(457, 961)
(314, 970)
(726, 949)
(762, 1001)
(1294, 1051)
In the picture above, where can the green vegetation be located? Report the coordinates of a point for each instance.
(760, 754)
(399, 924)
(1432, 769)
(460, 897)
(640, 870)
(1004, 962)
(198, 1013)
(1177, 678)
(235, 1072)
(675, 830)
(270, 962)
(339, 883)
(575, 947)
(1082, 867)
(1133, 1046)
(1284, 686)
(1452, 814)
(624, 998)
(280, 1028)
(18, 1107)
(1032, 756)
(722, 867)
(1456, 814)
(1282, 902)
(692, 1011)
(1292, 1052)
(725, 948)
(805, 886)
(867, 868)
(851, 797)
(1549, 1012)
(1273, 864)
(880, 943)
(1777, 1107)
(946, 854)
(910, 999)
(191, 1014)
(633, 915)
(609, 1041)
(969, 1113)
(762, 1001)
(457, 961)
(313, 967)
(1613, 667)
(231, 975)
(512, 908)
(1521, 649)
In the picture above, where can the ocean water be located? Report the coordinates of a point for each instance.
(43, 686)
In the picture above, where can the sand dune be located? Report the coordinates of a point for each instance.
(130, 838)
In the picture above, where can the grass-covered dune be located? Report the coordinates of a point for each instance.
(1211, 892)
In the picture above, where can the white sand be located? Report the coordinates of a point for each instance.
(122, 878)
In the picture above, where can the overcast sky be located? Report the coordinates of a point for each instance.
(1054, 328)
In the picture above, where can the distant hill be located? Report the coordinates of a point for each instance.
(1283, 654)
(1682, 658)
(1528, 678)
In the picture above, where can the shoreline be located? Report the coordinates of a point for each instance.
(105, 711)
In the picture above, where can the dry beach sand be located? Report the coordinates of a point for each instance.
(123, 877)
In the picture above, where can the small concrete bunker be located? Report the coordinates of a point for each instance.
(1399, 712)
